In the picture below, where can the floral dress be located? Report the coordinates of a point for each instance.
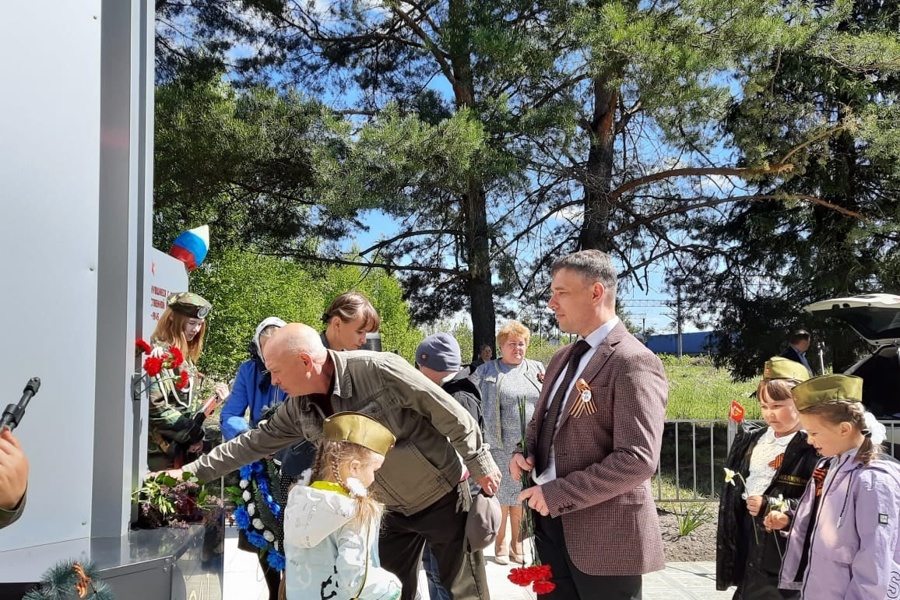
(329, 555)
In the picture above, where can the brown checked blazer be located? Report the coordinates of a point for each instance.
(604, 461)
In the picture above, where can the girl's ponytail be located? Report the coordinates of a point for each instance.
(874, 433)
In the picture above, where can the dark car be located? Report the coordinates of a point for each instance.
(876, 318)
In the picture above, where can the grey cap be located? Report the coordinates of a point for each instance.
(483, 521)
(439, 352)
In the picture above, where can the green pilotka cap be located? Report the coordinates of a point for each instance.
(190, 304)
(828, 388)
(359, 429)
(778, 367)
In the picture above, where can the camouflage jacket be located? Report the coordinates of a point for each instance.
(170, 427)
(8, 517)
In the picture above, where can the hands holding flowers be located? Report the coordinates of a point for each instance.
(160, 360)
(777, 517)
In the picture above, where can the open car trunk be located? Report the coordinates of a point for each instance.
(876, 318)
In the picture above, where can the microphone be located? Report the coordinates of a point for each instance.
(13, 414)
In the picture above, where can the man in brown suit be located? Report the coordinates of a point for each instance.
(595, 519)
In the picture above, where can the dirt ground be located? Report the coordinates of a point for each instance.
(700, 544)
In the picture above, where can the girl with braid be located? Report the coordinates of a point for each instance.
(844, 539)
(331, 523)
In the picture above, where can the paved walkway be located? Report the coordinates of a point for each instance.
(679, 581)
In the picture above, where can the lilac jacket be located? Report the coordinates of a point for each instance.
(854, 551)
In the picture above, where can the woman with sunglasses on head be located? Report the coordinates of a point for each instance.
(347, 321)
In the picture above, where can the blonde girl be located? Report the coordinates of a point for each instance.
(331, 522)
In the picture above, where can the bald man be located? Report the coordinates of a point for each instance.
(421, 481)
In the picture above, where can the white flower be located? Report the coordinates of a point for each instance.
(729, 476)
(251, 509)
(276, 546)
(356, 488)
(244, 483)
(246, 496)
(258, 524)
(270, 537)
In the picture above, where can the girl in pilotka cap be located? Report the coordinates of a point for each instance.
(173, 436)
(772, 464)
(331, 524)
(843, 536)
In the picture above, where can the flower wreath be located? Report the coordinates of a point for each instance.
(257, 513)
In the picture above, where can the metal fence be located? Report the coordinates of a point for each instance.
(692, 461)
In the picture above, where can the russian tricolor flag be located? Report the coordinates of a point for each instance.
(191, 247)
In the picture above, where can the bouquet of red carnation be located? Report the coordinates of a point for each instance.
(165, 364)
(538, 576)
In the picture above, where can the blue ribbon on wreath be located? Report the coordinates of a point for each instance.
(256, 474)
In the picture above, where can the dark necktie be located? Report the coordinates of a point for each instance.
(548, 427)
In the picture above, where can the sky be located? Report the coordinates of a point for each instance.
(658, 318)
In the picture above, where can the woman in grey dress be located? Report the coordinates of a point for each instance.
(503, 382)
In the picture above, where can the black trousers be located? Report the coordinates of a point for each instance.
(758, 577)
(572, 584)
(443, 526)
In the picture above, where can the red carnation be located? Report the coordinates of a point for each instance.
(539, 575)
(144, 346)
(183, 380)
(177, 357)
(542, 572)
(518, 577)
(153, 365)
(523, 575)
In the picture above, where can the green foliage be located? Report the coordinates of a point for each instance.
(399, 159)
(690, 519)
(245, 288)
(829, 103)
(163, 500)
(60, 582)
(503, 133)
(241, 161)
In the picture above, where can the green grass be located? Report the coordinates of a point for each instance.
(698, 390)
(692, 517)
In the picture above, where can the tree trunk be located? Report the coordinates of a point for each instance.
(595, 233)
(473, 204)
(481, 289)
